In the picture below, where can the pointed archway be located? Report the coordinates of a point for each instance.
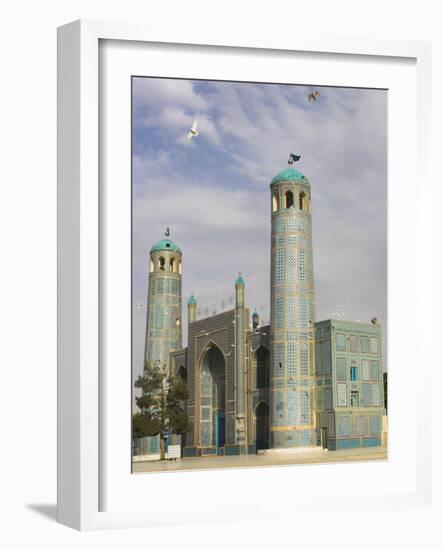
(213, 398)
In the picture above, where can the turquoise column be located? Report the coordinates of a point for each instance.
(292, 382)
(164, 309)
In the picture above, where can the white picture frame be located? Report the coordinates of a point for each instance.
(80, 392)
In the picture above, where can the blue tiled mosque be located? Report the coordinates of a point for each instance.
(292, 384)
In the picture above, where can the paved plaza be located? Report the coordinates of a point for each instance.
(209, 463)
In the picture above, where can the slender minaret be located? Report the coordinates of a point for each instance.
(191, 309)
(163, 323)
(292, 418)
(240, 343)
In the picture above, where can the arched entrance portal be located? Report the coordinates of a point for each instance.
(262, 426)
(213, 398)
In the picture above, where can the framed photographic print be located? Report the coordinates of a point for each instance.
(232, 273)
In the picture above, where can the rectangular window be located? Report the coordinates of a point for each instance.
(341, 342)
(326, 357)
(375, 370)
(353, 374)
(373, 345)
(342, 395)
(353, 343)
(364, 344)
(341, 369)
(354, 399)
(365, 363)
(366, 395)
(375, 395)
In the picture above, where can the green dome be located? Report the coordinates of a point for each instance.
(290, 174)
(191, 301)
(165, 244)
(240, 281)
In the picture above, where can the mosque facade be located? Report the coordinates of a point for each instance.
(289, 385)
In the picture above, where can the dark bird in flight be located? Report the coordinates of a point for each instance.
(313, 96)
(293, 158)
(374, 320)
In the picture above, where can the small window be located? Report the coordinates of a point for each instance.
(354, 399)
(375, 370)
(353, 374)
(289, 199)
(373, 345)
(302, 201)
(353, 343)
(365, 369)
(364, 344)
(172, 265)
(342, 395)
(341, 369)
(341, 342)
(275, 202)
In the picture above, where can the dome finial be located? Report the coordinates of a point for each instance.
(167, 232)
(240, 280)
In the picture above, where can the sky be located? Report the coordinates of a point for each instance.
(213, 191)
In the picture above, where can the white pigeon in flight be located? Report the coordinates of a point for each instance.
(193, 132)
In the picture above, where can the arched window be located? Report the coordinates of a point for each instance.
(172, 265)
(162, 264)
(151, 265)
(288, 199)
(275, 202)
(302, 201)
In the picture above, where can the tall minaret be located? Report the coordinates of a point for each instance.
(292, 418)
(163, 323)
(240, 350)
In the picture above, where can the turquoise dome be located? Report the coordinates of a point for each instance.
(165, 244)
(191, 301)
(290, 174)
(240, 281)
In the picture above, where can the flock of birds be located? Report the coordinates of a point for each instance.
(193, 132)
